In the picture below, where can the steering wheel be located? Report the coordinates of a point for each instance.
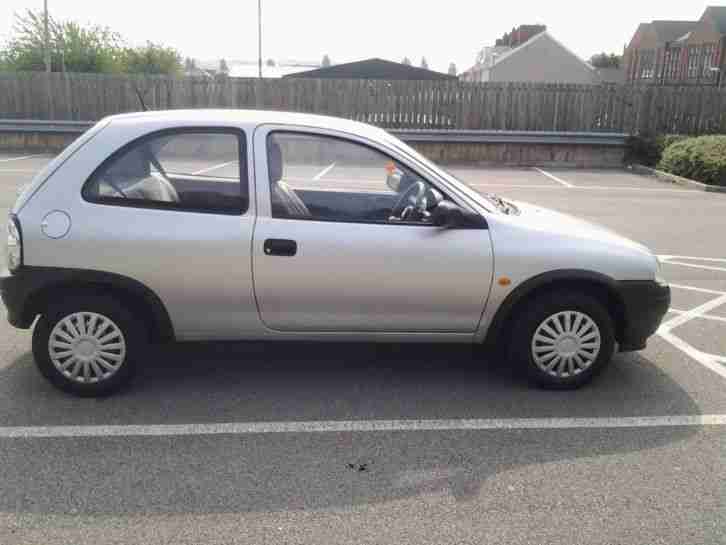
(409, 199)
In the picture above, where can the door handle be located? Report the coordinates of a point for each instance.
(280, 246)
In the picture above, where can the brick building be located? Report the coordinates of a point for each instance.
(519, 35)
(679, 52)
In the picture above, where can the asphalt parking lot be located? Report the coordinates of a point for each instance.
(305, 443)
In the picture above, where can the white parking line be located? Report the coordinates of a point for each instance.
(700, 316)
(584, 188)
(646, 189)
(693, 288)
(712, 362)
(692, 266)
(528, 186)
(324, 171)
(553, 177)
(336, 180)
(215, 167)
(675, 260)
(20, 158)
(711, 259)
(587, 188)
(706, 360)
(342, 426)
(695, 312)
(337, 189)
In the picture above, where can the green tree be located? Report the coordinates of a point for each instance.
(603, 60)
(424, 64)
(223, 68)
(326, 61)
(152, 59)
(406, 61)
(73, 47)
(78, 48)
(452, 69)
(270, 62)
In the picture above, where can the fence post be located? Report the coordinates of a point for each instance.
(645, 113)
(49, 94)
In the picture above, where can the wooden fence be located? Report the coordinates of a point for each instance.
(390, 104)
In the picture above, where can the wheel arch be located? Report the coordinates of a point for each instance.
(601, 287)
(139, 299)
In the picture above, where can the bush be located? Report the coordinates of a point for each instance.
(648, 151)
(702, 159)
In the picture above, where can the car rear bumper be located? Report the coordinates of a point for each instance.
(645, 303)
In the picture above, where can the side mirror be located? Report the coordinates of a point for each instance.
(447, 215)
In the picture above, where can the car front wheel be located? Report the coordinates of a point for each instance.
(87, 345)
(563, 339)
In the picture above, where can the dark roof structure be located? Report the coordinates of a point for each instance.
(520, 34)
(669, 31)
(718, 14)
(373, 69)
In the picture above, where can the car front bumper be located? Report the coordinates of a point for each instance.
(645, 303)
(14, 295)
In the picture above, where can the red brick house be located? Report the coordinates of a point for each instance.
(679, 52)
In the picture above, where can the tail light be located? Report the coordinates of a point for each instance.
(14, 245)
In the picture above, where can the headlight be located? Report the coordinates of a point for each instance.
(659, 273)
(14, 245)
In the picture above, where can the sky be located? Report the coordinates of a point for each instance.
(442, 31)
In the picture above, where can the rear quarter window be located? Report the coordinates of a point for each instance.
(186, 169)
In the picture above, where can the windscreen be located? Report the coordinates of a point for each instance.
(478, 199)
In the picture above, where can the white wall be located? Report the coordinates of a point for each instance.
(543, 60)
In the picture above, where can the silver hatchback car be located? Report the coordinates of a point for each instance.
(228, 225)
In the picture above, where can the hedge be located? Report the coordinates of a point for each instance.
(648, 151)
(701, 158)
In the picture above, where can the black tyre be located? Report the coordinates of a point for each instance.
(562, 339)
(88, 345)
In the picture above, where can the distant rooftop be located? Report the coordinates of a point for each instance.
(520, 34)
(373, 68)
(669, 31)
(718, 13)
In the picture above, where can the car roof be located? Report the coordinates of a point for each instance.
(246, 119)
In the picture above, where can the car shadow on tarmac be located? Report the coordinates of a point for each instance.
(264, 382)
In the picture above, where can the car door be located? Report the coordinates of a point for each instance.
(329, 257)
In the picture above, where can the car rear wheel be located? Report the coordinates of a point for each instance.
(87, 345)
(563, 339)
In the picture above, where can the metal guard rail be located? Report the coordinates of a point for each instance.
(408, 135)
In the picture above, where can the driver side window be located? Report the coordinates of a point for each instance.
(324, 178)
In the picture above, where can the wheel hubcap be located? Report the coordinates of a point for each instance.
(566, 344)
(87, 347)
